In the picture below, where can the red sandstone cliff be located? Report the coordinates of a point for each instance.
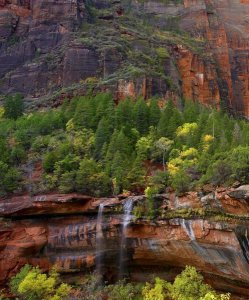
(225, 26)
(42, 50)
(216, 245)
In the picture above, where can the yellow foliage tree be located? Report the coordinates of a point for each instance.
(186, 129)
(207, 141)
(35, 285)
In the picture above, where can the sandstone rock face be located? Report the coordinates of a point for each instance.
(30, 30)
(79, 63)
(226, 29)
(241, 193)
(20, 246)
(37, 234)
(21, 206)
(221, 73)
(47, 46)
(217, 249)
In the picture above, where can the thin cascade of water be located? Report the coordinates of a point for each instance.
(187, 226)
(245, 243)
(128, 205)
(99, 239)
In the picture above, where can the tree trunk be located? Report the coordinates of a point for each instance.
(164, 161)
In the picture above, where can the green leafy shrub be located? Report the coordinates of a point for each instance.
(123, 291)
(13, 106)
(30, 283)
(188, 285)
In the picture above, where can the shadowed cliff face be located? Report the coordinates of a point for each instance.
(218, 246)
(32, 34)
(162, 248)
(221, 73)
(225, 25)
(46, 47)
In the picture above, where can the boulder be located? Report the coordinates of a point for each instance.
(241, 192)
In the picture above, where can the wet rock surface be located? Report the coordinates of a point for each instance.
(241, 192)
(20, 206)
(219, 247)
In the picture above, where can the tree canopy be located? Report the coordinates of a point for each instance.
(121, 143)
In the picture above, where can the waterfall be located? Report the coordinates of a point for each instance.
(242, 236)
(187, 226)
(123, 246)
(99, 239)
(246, 244)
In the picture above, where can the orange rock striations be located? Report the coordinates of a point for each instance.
(218, 246)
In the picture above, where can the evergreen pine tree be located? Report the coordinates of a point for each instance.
(102, 136)
(245, 135)
(104, 107)
(223, 143)
(154, 113)
(124, 115)
(122, 144)
(237, 136)
(13, 106)
(111, 147)
(119, 143)
(118, 168)
(174, 122)
(141, 116)
(164, 119)
(136, 176)
(190, 112)
(85, 112)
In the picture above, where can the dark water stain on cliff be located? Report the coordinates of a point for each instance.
(243, 238)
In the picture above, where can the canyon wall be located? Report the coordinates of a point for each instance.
(225, 25)
(48, 49)
(42, 232)
(220, 72)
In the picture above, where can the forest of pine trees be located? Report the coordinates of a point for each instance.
(93, 146)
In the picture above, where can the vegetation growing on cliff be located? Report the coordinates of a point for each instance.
(31, 283)
(188, 285)
(92, 146)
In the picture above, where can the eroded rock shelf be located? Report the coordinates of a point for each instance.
(217, 245)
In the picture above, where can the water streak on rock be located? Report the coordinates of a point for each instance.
(99, 239)
(187, 226)
(123, 246)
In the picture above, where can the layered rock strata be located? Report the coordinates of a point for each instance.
(217, 244)
(47, 47)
